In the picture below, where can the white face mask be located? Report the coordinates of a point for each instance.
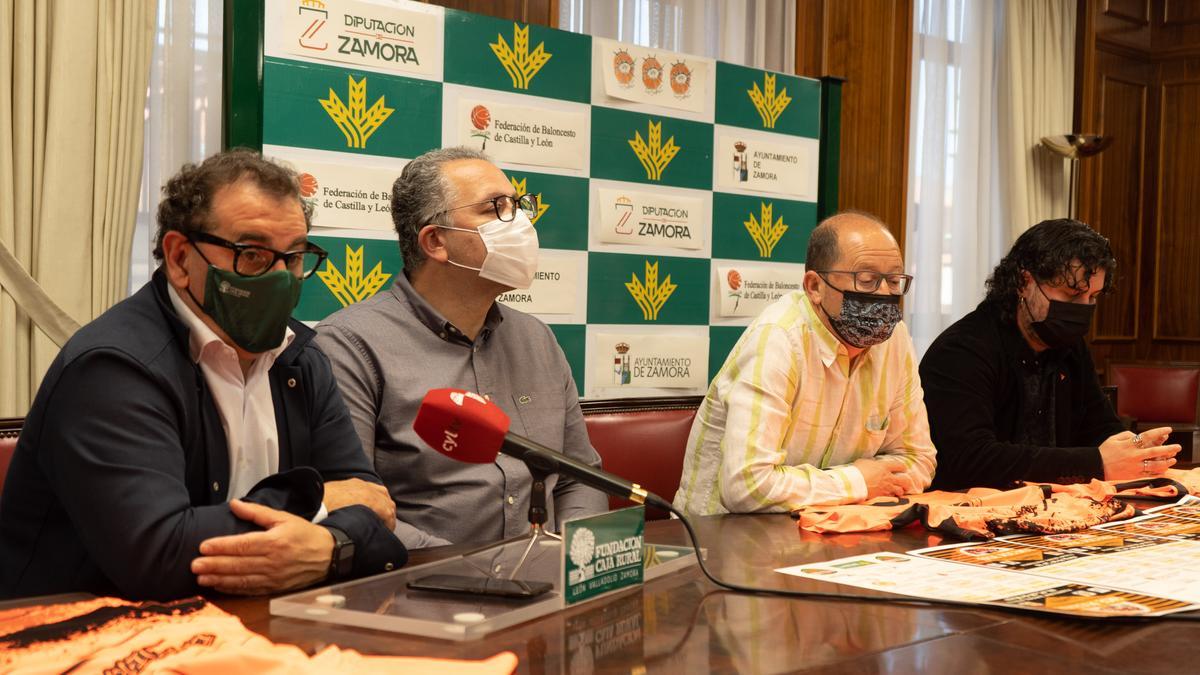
(512, 250)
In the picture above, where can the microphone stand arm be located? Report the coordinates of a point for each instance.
(537, 513)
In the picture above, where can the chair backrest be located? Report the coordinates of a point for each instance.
(642, 440)
(10, 429)
(1157, 391)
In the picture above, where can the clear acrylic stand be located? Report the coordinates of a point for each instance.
(385, 602)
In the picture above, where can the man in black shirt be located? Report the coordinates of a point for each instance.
(1011, 388)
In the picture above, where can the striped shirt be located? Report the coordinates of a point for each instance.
(789, 412)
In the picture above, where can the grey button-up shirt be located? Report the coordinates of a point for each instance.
(389, 350)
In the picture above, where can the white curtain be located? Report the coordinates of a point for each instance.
(756, 33)
(72, 82)
(985, 87)
(183, 110)
(1036, 76)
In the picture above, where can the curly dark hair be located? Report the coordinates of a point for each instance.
(1050, 251)
(188, 195)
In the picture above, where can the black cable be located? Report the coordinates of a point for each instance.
(655, 500)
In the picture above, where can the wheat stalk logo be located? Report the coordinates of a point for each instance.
(353, 287)
(355, 120)
(519, 186)
(765, 233)
(518, 61)
(654, 156)
(650, 296)
(769, 104)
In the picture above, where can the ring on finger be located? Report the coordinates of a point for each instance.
(1137, 440)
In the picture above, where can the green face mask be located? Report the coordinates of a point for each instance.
(253, 311)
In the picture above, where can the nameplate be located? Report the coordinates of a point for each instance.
(603, 554)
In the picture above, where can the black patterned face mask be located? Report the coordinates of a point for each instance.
(866, 318)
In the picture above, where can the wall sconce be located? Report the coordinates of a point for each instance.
(1076, 147)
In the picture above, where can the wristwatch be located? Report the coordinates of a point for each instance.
(341, 563)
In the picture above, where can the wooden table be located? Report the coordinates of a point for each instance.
(684, 624)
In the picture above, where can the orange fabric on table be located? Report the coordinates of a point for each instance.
(108, 635)
(978, 513)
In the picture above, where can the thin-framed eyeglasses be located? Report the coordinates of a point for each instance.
(505, 206)
(252, 260)
(866, 281)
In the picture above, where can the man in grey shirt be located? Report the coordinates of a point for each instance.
(465, 237)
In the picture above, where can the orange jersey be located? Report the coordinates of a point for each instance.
(115, 637)
(978, 513)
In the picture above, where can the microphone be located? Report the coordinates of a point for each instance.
(469, 428)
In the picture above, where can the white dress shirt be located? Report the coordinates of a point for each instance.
(243, 402)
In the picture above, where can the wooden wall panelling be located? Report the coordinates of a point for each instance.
(1176, 30)
(1136, 11)
(1177, 310)
(543, 12)
(1180, 12)
(810, 38)
(1117, 59)
(1122, 92)
(869, 43)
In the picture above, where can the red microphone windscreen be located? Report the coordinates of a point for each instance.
(461, 425)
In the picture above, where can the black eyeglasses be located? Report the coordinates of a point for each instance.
(250, 260)
(868, 282)
(505, 206)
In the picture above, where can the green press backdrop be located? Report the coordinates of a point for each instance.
(677, 192)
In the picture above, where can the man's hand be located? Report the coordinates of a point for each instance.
(351, 491)
(290, 553)
(884, 477)
(1128, 455)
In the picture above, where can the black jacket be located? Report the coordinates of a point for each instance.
(122, 467)
(973, 395)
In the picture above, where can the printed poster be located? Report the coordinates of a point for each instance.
(351, 195)
(641, 289)
(406, 40)
(356, 269)
(1166, 569)
(654, 76)
(745, 289)
(1160, 525)
(642, 218)
(658, 360)
(747, 160)
(554, 289)
(939, 579)
(523, 134)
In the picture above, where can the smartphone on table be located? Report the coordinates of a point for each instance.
(461, 583)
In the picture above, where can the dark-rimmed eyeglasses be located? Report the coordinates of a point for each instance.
(505, 206)
(252, 260)
(868, 282)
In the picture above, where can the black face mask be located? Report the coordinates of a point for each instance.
(1065, 323)
(866, 319)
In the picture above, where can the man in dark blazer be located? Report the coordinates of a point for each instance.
(192, 437)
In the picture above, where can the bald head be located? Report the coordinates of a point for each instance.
(843, 233)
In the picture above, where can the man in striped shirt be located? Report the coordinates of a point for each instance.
(819, 402)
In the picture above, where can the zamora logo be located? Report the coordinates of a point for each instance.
(765, 233)
(520, 64)
(769, 104)
(651, 296)
(543, 206)
(353, 286)
(355, 120)
(653, 155)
